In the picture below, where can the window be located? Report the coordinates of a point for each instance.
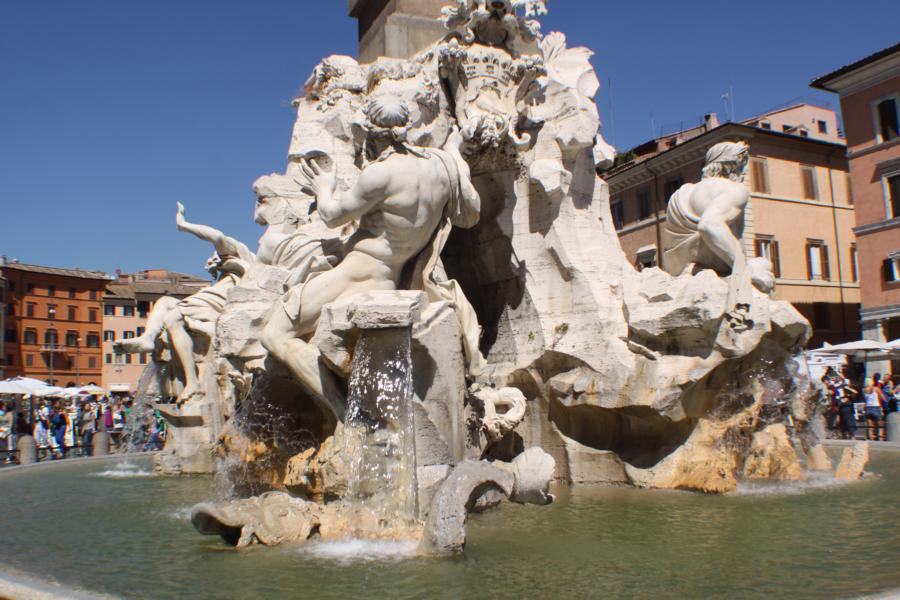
(849, 185)
(854, 263)
(887, 122)
(70, 363)
(891, 268)
(128, 335)
(51, 311)
(821, 315)
(92, 362)
(646, 258)
(672, 186)
(810, 183)
(11, 336)
(93, 294)
(73, 313)
(11, 309)
(10, 360)
(128, 311)
(12, 286)
(119, 358)
(72, 339)
(759, 175)
(765, 125)
(143, 358)
(29, 336)
(767, 247)
(30, 288)
(823, 127)
(892, 196)
(127, 359)
(143, 308)
(51, 337)
(109, 359)
(787, 128)
(92, 315)
(109, 310)
(29, 309)
(817, 260)
(109, 336)
(644, 211)
(618, 215)
(140, 331)
(93, 340)
(71, 292)
(29, 360)
(51, 290)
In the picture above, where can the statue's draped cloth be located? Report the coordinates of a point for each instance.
(682, 235)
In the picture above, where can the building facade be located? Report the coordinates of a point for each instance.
(53, 323)
(869, 90)
(127, 303)
(800, 214)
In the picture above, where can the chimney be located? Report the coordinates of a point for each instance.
(710, 121)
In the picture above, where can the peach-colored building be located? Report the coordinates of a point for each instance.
(870, 103)
(126, 304)
(800, 213)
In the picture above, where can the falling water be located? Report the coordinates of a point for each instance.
(379, 430)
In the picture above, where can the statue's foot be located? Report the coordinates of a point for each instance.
(761, 274)
(189, 392)
(134, 345)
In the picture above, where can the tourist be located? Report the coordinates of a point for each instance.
(846, 412)
(88, 426)
(59, 423)
(890, 391)
(108, 416)
(874, 411)
(829, 380)
(5, 429)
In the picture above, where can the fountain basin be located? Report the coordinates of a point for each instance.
(131, 537)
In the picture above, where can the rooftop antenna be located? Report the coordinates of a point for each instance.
(728, 99)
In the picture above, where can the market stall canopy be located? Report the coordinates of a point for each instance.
(48, 391)
(22, 386)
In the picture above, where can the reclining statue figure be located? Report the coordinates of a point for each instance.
(406, 200)
(704, 226)
(291, 241)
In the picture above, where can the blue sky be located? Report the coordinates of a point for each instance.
(111, 110)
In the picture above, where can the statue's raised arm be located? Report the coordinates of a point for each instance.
(226, 247)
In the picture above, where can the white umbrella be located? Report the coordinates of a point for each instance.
(10, 386)
(860, 349)
(91, 390)
(49, 390)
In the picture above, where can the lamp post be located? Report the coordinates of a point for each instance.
(52, 312)
(78, 362)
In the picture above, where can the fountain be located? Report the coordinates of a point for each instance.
(439, 317)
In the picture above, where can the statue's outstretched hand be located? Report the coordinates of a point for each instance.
(317, 179)
(180, 221)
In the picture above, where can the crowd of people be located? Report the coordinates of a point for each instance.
(875, 399)
(63, 428)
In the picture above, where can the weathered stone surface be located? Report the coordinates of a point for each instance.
(772, 456)
(385, 310)
(26, 450)
(445, 530)
(270, 519)
(320, 473)
(533, 470)
(853, 462)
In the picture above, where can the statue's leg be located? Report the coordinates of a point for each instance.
(156, 322)
(183, 346)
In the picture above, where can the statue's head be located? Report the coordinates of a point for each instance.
(274, 200)
(387, 122)
(727, 160)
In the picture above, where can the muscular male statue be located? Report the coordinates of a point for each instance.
(705, 222)
(404, 199)
(291, 241)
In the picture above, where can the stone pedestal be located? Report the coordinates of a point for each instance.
(26, 449)
(396, 29)
(100, 444)
(190, 437)
(892, 427)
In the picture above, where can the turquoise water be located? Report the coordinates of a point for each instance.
(131, 537)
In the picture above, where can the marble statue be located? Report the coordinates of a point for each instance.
(441, 245)
(705, 221)
(401, 199)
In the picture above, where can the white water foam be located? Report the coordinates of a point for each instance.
(788, 488)
(356, 550)
(180, 514)
(124, 471)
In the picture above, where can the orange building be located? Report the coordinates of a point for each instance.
(870, 103)
(53, 321)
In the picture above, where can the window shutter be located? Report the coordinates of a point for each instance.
(810, 191)
(757, 247)
(776, 259)
(826, 270)
(809, 273)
